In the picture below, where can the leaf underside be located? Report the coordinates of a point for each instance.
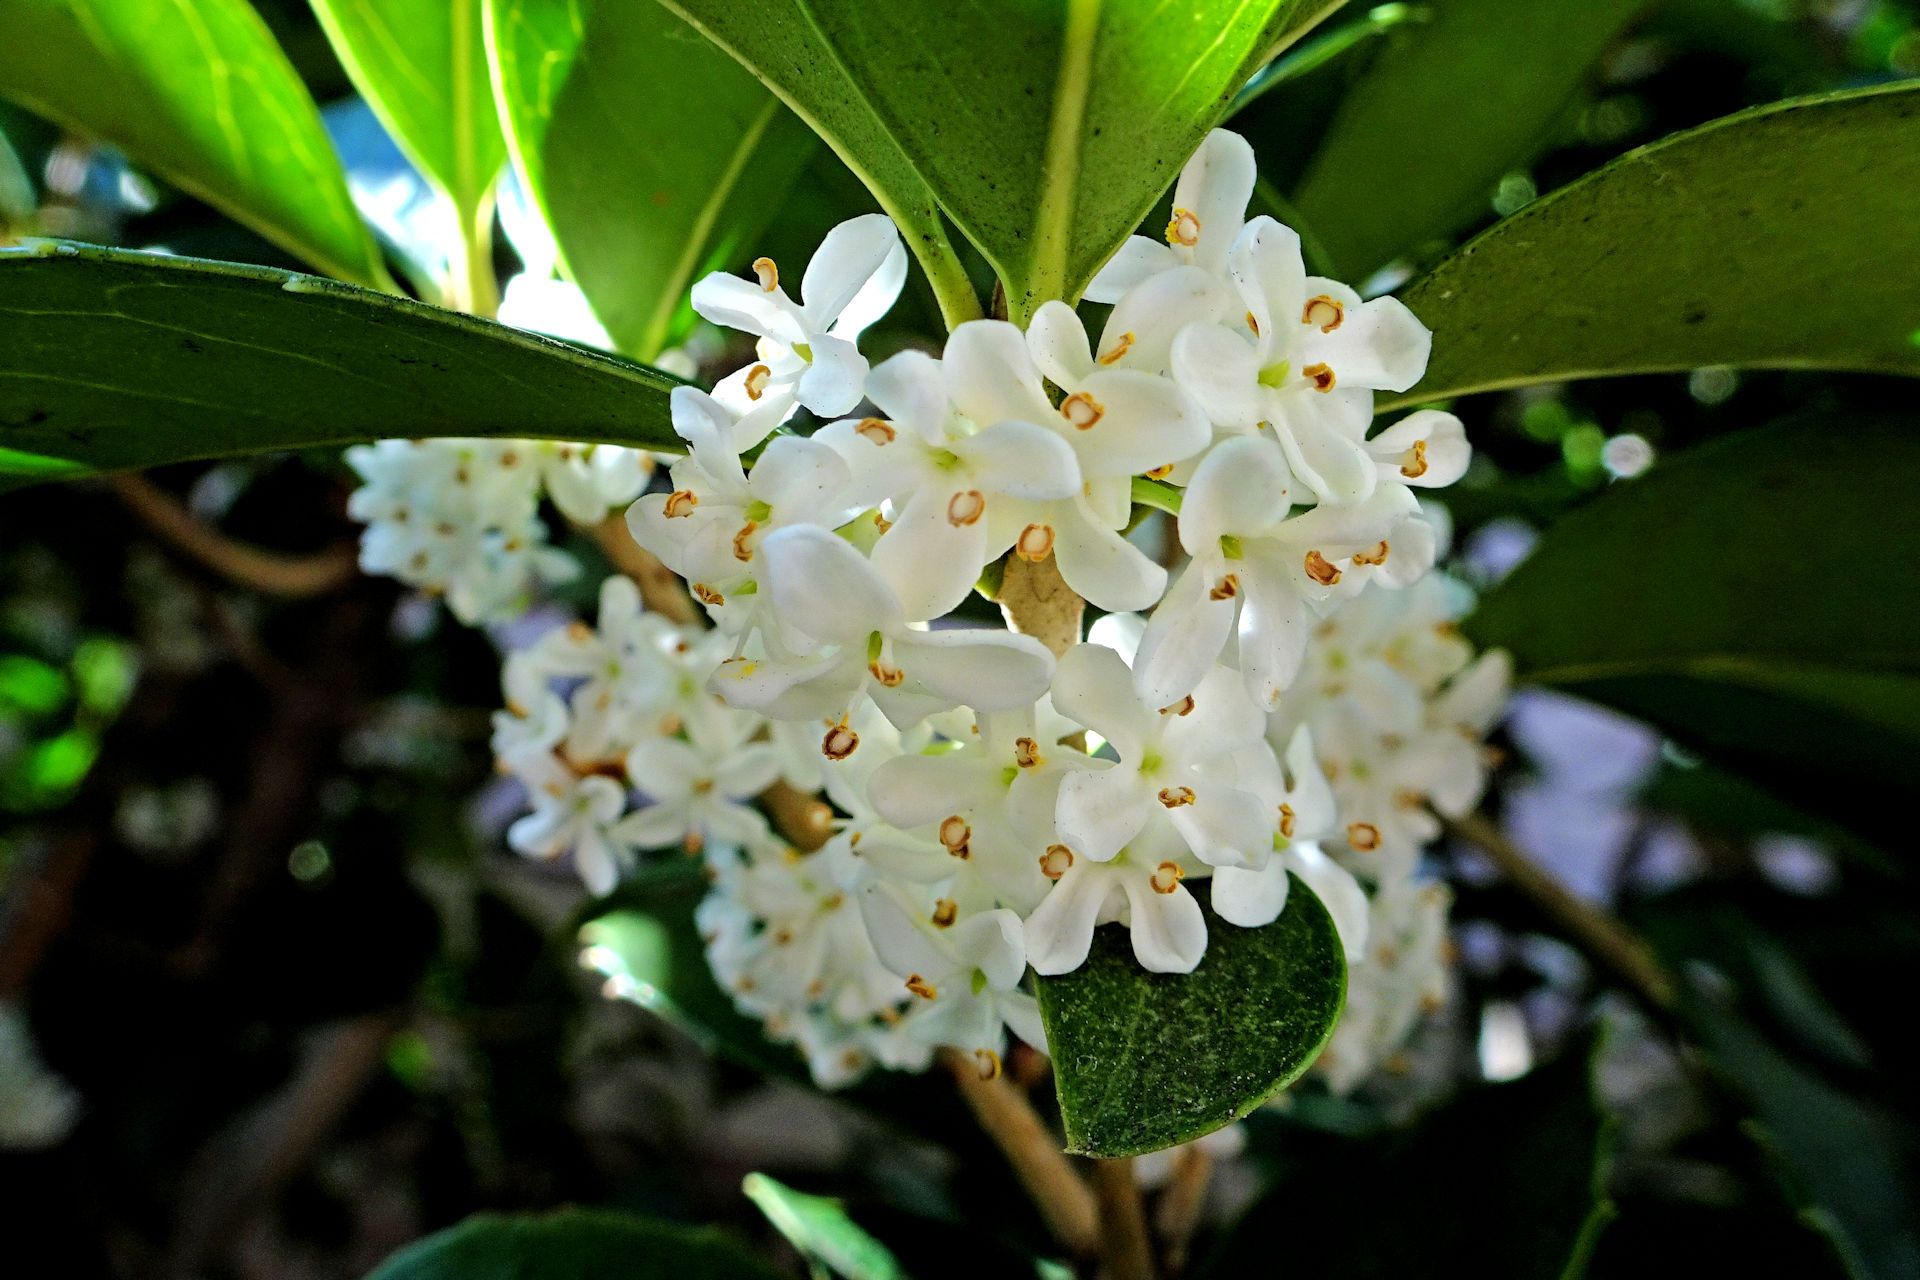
(1145, 1060)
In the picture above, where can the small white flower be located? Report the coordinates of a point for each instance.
(701, 788)
(1164, 921)
(964, 975)
(573, 813)
(806, 348)
(1209, 210)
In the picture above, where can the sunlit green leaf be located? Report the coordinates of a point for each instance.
(655, 157)
(32, 685)
(820, 1228)
(1780, 237)
(111, 359)
(198, 91)
(1509, 1175)
(422, 67)
(1448, 106)
(1147, 1060)
(1714, 597)
(574, 1244)
(1047, 128)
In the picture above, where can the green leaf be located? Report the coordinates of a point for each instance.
(198, 91)
(1719, 598)
(422, 67)
(778, 42)
(655, 157)
(1447, 107)
(575, 1244)
(1509, 1175)
(1048, 128)
(1776, 237)
(820, 1228)
(1147, 1060)
(112, 360)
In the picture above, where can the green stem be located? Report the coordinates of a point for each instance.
(1151, 493)
(471, 284)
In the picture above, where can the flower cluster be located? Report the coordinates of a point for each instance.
(1287, 704)
(461, 518)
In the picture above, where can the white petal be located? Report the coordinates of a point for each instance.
(1225, 826)
(911, 390)
(1221, 370)
(1162, 306)
(734, 303)
(1133, 262)
(1242, 486)
(985, 670)
(931, 562)
(1169, 931)
(824, 588)
(1267, 268)
(1099, 812)
(902, 945)
(1184, 636)
(835, 379)
(1058, 343)
(1250, 897)
(1274, 624)
(911, 791)
(666, 768)
(1020, 459)
(1059, 933)
(850, 256)
(992, 942)
(746, 771)
(876, 297)
(1327, 460)
(1103, 566)
(1308, 793)
(989, 375)
(1380, 344)
(1022, 1015)
(1442, 459)
(1093, 688)
(1215, 186)
(800, 478)
(1146, 421)
(1337, 890)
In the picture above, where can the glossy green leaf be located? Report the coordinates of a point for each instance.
(113, 360)
(1448, 106)
(655, 157)
(198, 91)
(1778, 237)
(1755, 597)
(422, 67)
(1048, 128)
(819, 1228)
(1508, 1175)
(575, 1244)
(779, 43)
(1147, 1060)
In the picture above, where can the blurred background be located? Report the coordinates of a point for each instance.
(275, 999)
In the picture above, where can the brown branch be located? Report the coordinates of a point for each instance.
(1605, 940)
(1125, 1253)
(1037, 602)
(660, 588)
(268, 572)
(1003, 1111)
(1177, 1215)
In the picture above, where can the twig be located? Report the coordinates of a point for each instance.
(1604, 939)
(660, 588)
(801, 817)
(1037, 602)
(1064, 1201)
(1178, 1214)
(268, 572)
(1125, 1253)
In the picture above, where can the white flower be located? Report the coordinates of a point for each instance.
(844, 634)
(573, 813)
(588, 480)
(702, 787)
(1256, 564)
(710, 528)
(1209, 208)
(966, 438)
(1406, 974)
(1181, 766)
(964, 975)
(806, 349)
(1164, 921)
(1256, 895)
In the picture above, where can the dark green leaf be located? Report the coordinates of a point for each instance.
(575, 1244)
(112, 360)
(655, 157)
(1754, 597)
(1048, 128)
(1447, 107)
(1509, 1176)
(422, 66)
(1147, 1060)
(198, 91)
(778, 42)
(1779, 237)
(820, 1228)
